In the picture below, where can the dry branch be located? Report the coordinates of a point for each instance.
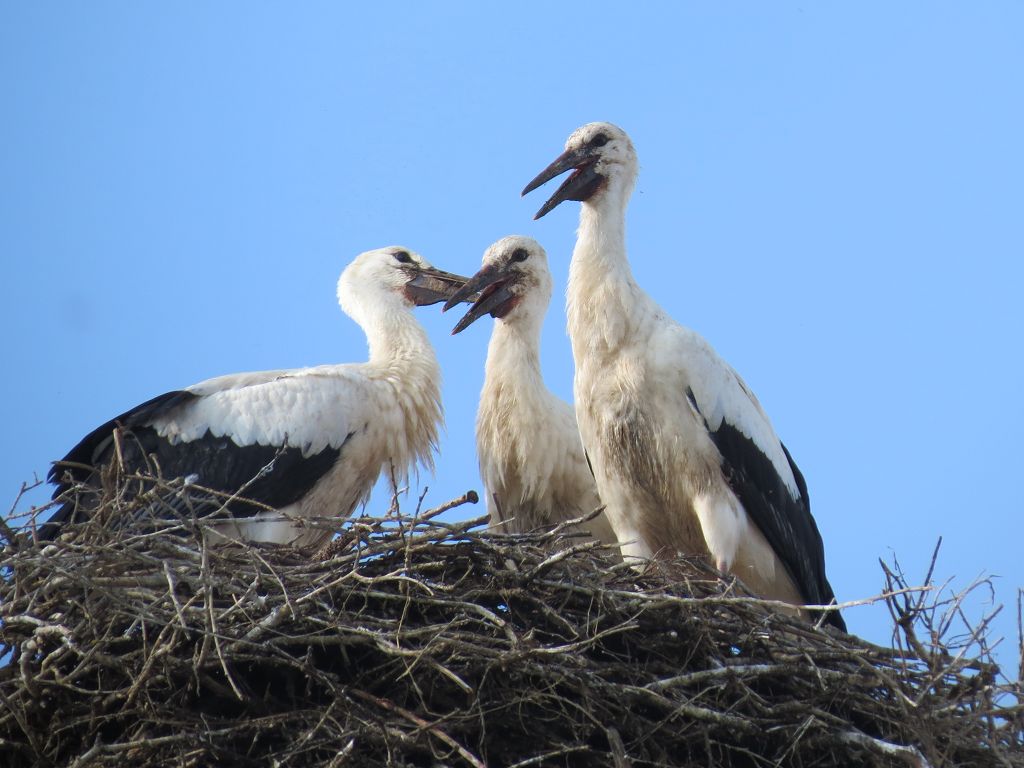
(417, 642)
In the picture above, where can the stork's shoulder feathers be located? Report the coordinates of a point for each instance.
(719, 394)
(307, 408)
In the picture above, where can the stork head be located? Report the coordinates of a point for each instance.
(514, 284)
(600, 156)
(393, 276)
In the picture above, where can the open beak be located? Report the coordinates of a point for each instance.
(494, 284)
(429, 286)
(581, 185)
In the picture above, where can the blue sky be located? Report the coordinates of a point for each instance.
(832, 194)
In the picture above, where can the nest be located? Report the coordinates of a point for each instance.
(414, 642)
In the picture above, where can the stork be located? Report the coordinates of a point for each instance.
(531, 457)
(276, 447)
(685, 458)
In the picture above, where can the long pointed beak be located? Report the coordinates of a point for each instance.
(429, 286)
(580, 186)
(494, 286)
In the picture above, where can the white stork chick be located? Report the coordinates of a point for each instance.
(685, 458)
(531, 457)
(302, 444)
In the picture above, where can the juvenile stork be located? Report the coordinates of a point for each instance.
(531, 457)
(685, 458)
(271, 448)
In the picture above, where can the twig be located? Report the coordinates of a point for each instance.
(430, 728)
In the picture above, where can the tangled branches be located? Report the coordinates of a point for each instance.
(414, 642)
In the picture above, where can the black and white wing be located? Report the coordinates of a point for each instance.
(269, 436)
(760, 471)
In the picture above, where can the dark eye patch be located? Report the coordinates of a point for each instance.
(599, 141)
(403, 257)
(520, 254)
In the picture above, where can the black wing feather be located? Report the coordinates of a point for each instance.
(95, 448)
(786, 522)
(273, 476)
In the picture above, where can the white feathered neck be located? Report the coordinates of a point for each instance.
(513, 392)
(604, 304)
(401, 359)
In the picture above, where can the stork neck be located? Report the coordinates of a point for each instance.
(601, 238)
(396, 338)
(602, 294)
(514, 350)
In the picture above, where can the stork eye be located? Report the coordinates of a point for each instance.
(520, 254)
(599, 141)
(403, 257)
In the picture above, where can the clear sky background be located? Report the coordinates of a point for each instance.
(833, 194)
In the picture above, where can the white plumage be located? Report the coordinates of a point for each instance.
(685, 458)
(304, 443)
(531, 458)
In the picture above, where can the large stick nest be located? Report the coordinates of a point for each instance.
(413, 642)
